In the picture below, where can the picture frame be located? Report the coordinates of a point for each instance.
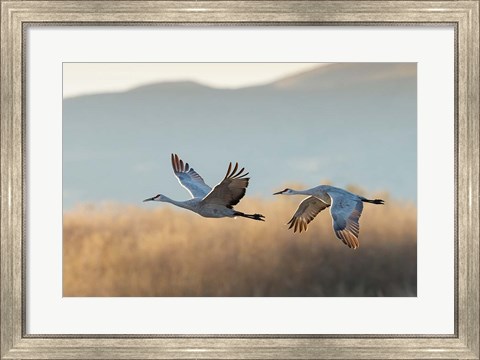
(16, 17)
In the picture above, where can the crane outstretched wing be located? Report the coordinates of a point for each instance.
(346, 211)
(306, 212)
(230, 190)
(189, 178)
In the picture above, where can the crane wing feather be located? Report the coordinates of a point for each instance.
(307, 210)
(230, 190)
(346, 211)
(189, 178)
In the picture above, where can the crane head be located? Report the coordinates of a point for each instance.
(286, 191)
(155, 198)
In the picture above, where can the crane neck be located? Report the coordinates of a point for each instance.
(182, 204)
(301, 192)
(319, 192)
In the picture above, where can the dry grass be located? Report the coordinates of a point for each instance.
(113, 250)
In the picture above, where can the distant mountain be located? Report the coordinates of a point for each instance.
(349, 75)
(350, 123)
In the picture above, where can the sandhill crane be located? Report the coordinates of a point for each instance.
(346, 210)
(213, 203)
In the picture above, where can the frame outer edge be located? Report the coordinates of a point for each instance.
(235, 12)
(18, 175)
(7, 319)
(13, 345)
(471, 103)
(468, 184)
(12, 171)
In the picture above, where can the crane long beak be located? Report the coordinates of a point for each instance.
(278, 193)
(149, 199)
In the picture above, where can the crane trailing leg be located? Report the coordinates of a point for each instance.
(376, 201)
(258, 217)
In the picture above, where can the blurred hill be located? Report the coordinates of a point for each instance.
(352, 123)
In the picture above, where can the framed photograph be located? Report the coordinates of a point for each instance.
(293, 179)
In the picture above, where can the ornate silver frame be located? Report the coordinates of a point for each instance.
(16, 15)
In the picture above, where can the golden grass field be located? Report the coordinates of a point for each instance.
(145, 250)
